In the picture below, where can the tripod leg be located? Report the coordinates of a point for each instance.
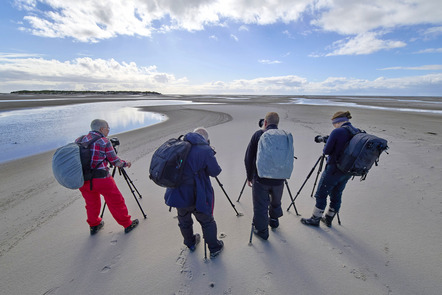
(221, 185)
(251, 235)
(128, 181)
(317, 175)
(339, 219)
(305, 181)
(290, 194)
(102, 211)
(245, 182)
(131, 185)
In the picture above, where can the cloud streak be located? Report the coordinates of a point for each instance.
(32, 73)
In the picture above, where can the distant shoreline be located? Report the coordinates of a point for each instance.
(87, 92)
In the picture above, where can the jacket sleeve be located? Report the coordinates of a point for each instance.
(250, 157)
(212, 169)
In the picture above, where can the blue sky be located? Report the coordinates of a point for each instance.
(312, 47)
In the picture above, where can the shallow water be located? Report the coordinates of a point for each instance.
(30, 131)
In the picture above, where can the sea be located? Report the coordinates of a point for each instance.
(30, 131)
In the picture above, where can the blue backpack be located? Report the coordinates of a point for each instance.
(361, 152)
(275, 154)
(167, 163)
(71, 164)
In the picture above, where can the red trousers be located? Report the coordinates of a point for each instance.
(113, 197)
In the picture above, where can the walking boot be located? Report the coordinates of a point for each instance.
(328, 217)
(315, 219)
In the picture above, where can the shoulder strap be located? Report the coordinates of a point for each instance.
(353, 130)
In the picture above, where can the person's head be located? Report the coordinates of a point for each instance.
(100, 126)
(340, 118)
(203, 132)
(271, 118)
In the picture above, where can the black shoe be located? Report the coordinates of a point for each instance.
(95, 229)
(274, 222)
(262, 234)
(197, 240)
(216, 253)
(313, 221)
(132, 226)
(327, 219)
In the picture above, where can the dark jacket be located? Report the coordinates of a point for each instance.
(336, 142)
(196, 189)
(250, 159)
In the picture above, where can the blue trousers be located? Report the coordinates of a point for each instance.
(266, 201)
(332, 183)
(208, 225)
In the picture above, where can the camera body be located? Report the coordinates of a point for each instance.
(320, 138)
(261, 123)
(115, 142)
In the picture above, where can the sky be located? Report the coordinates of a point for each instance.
(260, 47)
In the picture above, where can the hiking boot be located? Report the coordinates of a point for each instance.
(132, 226)
(263, 234)
(216, 253)
(274, 222)
(197, 240)
(313, 221)
(95, 229)
(327, 219)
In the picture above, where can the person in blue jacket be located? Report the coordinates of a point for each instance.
(333, 181)
(195, 195)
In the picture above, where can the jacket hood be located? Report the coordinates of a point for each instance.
(195, 138)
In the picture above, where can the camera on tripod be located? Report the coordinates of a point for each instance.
(115, 142)
(319, 138)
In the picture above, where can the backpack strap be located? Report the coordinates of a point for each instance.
(88, 145)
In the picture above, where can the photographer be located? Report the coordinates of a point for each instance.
(195, 196)
(333, 181)
(266, 192)
(102, 153)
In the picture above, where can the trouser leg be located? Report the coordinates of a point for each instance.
(209, 228)
(185, 223)
(261, 202)
(114, 200)
(93, 204)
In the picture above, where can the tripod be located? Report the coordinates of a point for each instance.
(288, 189)
(222, 187)
(320, 161)
(132, 188)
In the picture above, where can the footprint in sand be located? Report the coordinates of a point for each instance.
(108, 267)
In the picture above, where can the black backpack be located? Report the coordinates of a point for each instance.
(361, 152)
(167, 163)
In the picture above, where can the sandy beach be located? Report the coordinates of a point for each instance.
(389, 241)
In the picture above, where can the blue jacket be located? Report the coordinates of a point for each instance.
(196, 189)
(336, 142)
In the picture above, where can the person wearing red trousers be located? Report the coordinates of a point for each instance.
(103, 153)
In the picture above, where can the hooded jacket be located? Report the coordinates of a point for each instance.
(196, 189)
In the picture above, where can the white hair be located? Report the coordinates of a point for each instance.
(202, 131)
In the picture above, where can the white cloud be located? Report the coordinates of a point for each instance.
(269, 62)
(18, 71)
(366, 43)
(350, 17)
(420, 68)
(81, 73)
(234, 37)
(430, 50)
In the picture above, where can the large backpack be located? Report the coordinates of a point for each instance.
(71, 164)
(167, 163)
(361, 152)
(274, 158)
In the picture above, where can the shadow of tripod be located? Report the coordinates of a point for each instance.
(320, 161)
(132, 188)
